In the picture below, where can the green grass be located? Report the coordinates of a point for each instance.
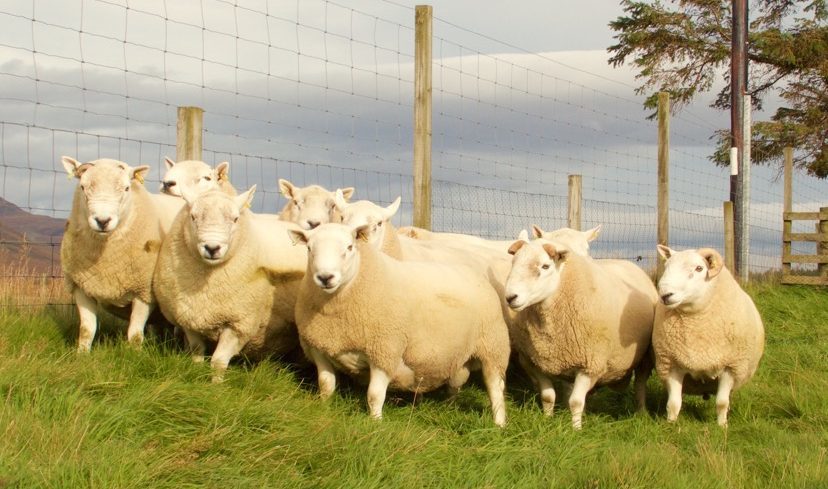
(151, 418)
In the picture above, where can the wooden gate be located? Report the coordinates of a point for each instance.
(819, 236)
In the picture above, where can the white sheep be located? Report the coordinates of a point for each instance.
(361, 311)
(426, 235)
(574, 240)
(195, 175)
(708, 336)
(111, 244)
(309, 206)
(230, 276)
(577, 322)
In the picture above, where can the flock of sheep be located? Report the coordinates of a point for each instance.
(403, 309)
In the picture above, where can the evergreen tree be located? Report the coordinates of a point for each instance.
(683, 46)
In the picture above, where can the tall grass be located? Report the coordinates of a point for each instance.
(120, 417)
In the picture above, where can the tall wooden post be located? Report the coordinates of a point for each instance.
(662, 236)
(787, 206)
(574, 209)
(188, 133)
(730, 253)
(822, 245)
(422, 116)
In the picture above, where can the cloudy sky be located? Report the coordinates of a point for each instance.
(321, 92)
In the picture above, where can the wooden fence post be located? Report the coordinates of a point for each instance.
(422, 116)
(188, 133)
(574, 209)
(662, 236)
(822, 245)
(787, 206)
(730, 254)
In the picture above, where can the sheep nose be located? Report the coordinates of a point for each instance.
(168, 184)
(102, 223)
(212, 250)
(510, 298)
(313, 224)
(324, 278)
(666, 297)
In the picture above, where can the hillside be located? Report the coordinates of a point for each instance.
(33, 237)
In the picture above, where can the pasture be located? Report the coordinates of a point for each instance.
(121, 417)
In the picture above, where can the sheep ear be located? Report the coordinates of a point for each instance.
(391, 209)
(286, 188)
(139, 172)
(297, 236)
(364, 232)
(537, 231)
(223, 171)
(714, 261)
(169, 163)
(665, 251)
(523, 235)
(73, 167)
(516, 246)
(592, 234)
(347, 193)
(555, 254)
(339, 200)
(245, 200)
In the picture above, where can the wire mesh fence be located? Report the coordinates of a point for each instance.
(322, 92)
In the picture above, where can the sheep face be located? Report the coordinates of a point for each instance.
(688, 276)
(214, 221)
(105, 185)
(366, 213)
(333, 258)
(536, 272)
(193, 175)
(575, 241)
(311, 206)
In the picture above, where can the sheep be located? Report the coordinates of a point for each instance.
(576, 241)
(193, 174)
(230, 276)
(110, 247)
(706, 327)
(426, 235)
(577, 322)
(309, 206)
(360, 311)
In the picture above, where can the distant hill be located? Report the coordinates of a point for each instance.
(29, 237)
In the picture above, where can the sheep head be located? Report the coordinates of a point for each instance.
(536, 272)
(192, 175)
(574, 240)
(105, 185)
(688, 276)
(214, 219)
(333, 257)
(367, 213)
(312, 205)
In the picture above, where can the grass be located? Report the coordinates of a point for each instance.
(120, 417)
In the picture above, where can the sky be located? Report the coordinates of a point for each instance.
(322, 92)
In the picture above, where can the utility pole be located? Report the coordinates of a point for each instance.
(738, 87)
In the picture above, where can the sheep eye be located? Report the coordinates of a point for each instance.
(545, 266)
(351, 247)
(126, 189)
(235, 219)
(341, 218)
(192, 216)
(699, 269)
(380, 224)
(83, 188)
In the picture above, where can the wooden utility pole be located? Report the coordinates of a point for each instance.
(738, 86)
(422, 116)
(188, 133)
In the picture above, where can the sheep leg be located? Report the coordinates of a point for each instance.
(229, 345)
(495, 385)
(457, 380)
(196, 345)
(577, 400)
(726, 382)
(642, 373)
(88, 312)
(137, 321)
(543, 383)
(674, 383)
(325, 372)
(376, 391)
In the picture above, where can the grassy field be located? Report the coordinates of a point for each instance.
(125, 418)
